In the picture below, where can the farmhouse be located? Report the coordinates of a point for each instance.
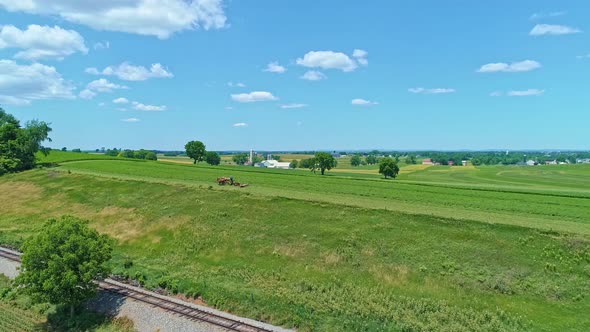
(551, 162)
(531, 163)
(273, 164)
(427, 161)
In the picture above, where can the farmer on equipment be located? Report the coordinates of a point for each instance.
(231, 180)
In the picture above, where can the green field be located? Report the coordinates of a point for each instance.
(440, 248)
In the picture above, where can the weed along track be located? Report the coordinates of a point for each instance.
(159, 301)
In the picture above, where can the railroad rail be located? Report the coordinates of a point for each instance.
(10, 255)
(183, 310)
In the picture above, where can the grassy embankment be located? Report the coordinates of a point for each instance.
(336, 252)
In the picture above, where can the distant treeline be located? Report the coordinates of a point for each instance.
(488, 157)
(138, 154)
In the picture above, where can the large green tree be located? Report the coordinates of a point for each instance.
(240, 158)
(388, 167)
(61, 263)
(324, 161)
(212, 158)
(18, 145)
(195, 150)
(355, 160)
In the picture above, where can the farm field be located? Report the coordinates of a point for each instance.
(561, 207)
(339, 252)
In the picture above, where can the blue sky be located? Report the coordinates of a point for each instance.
(304, 75)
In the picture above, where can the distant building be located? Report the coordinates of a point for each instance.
(273, 164)
(531, 163)
(464, 162)
(427, 161)
(451, 163)
(583, 161)
(551, 162)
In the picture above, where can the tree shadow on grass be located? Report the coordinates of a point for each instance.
(97, 313)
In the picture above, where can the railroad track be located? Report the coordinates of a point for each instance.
(10, 255)
(155, 300)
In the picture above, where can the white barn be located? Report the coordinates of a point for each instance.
(273, 164)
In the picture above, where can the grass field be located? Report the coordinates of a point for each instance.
(494, 248)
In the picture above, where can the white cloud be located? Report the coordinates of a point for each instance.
(327, 60)
(274, 67)
(148, 108)
(130, 120)
(87, 94)
(431, 91)
(41, 42)
(160, 18)
(100, 85)
(240, 124)
(514, 67)
(92, 71)
(103, 85)
(587, 56)
(289, 106)
(120, 100)
(496, 94)
(21, 84)
(361, 57)
(313, 75)
(362, 102)
(101, 104)
(253, 96)
(552, 29)
(102, 45)
(538, 16)
(524, 93)
(229, 108)
(129, 72)
(234, 85)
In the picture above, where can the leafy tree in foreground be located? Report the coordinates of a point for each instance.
(324, 161)
(240, 158)
(212, 158)
(195, 150)
(61, 263)
(355, 160)
(18, 145)
(388, 167)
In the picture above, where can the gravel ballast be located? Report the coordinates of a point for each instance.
(145, 316)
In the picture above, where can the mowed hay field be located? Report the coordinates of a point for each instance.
(337, 252)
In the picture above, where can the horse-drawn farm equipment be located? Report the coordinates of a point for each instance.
(222, 181)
